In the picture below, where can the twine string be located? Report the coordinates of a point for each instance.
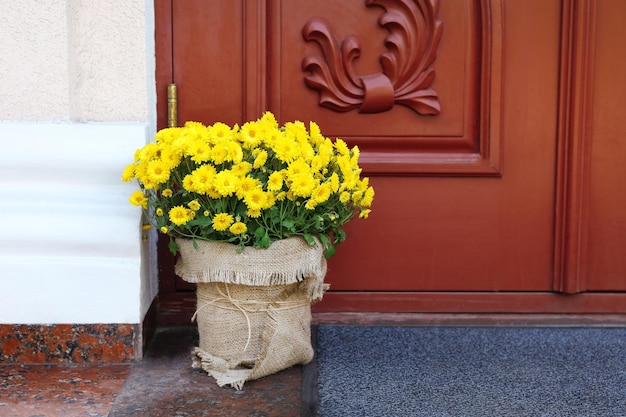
(246, 306)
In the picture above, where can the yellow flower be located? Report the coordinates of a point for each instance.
(241, 169)
(206, 213)
(138, 199)
(199, 151)
(255, 199)
(298, 166)
(129, 173)
(222, 221)
(238, 228)
(334, 182)
(253, 213)
(246, 185)
(226, 183)
(167, 192)
(250, 135)
(275, 181)
(344, 197)
(342, 147)
(201, 179)
(220, 131)
(368, 197)
(194, 205)
(364, 213)
(321, 193)
(146, 227)
(260, 160)
(159, 211)
(164, 230)
(158, 172)
(179, 215)
(302, 185)
(286, 149)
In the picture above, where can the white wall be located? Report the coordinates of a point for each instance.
(77, 97)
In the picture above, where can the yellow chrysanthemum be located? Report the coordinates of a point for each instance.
(222, 221)
(344, 197)
(255, 199)
(164, 230)
(170, 158)
(238, 228)
(364, 214)
(129, 173)
(342, 147)
(246, 185)
(226, 183)
(334, 182)
(241, 169)
(253, 213)
(299, 166)
(159, 212)
(166, 193)
(321, 193)
(275, 181)
(194, 205)
(260, 160)
(199, 151)
(220, 131)
(201, 179)
(302, 185)
(180, 215)
(138, 199)
(368, 197)
(158, 172)
(250, 135)
(286, 149)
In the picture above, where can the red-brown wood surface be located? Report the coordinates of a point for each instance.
(494, 192)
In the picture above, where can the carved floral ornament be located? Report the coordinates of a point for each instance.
(406, 77)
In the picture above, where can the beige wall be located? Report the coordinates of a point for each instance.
(74, 60)
(77, 98)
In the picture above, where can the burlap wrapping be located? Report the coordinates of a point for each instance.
(254, 308)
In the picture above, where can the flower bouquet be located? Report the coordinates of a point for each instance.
(252, 207)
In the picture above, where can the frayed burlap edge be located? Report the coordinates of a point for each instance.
(286, 261)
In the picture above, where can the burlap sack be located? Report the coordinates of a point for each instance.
(253, 308)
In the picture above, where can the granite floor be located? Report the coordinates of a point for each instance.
(163, 384)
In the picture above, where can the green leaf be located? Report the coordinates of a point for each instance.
(266, 241)
(195, 245)
(200, 221)
(259, 233)
(340, 236)
(309, 239)
(288, 223)
(328, 245)
(173, 247)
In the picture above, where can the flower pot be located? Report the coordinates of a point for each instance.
(254, 307)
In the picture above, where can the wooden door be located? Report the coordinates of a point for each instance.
(485, 127)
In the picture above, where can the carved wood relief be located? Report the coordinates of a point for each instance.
(380, 57)
(407, 73)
